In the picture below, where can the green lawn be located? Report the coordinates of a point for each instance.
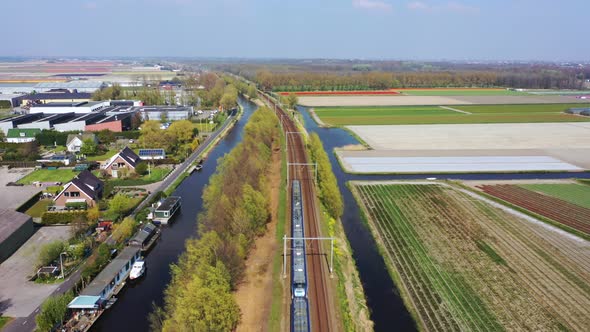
(340, 116)
(4, 320)
(45, 175)
(578, 194)
(463, 92)
(102, 157)
(157, 174)
(39, 208)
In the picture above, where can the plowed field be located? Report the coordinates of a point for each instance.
(464, 264)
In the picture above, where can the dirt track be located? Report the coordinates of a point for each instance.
(432, 100)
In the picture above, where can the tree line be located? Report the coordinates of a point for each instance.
(329, 192)
(236, 210)
(313, 81)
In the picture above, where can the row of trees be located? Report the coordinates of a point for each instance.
(236, 210)
(311, 81)
(329, 192)
(149, 95)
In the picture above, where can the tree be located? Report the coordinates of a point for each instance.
(124, 230)
(50, 252)
(252, 93)
(141, 168)
(291, 100)
(182, 131)
(150, 126)
(120, 204)
(228, 101)
(93, 214)
(53, 311)
(89, 147)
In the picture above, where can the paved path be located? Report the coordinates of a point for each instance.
(455, 110)
(28, 323)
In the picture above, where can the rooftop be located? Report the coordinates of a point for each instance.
(168, 203)
(109, 272)
(10, 221)
(16, 133)
(143, 233)
(57, 95)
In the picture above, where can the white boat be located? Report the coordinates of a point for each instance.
(137, 270)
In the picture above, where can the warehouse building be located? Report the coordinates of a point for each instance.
(77, 85)
(170, 113)
(116, 122)
(48, 121)
(80, 122)
(82, 107)
(51, 97)
(15, 229)
(14, 121)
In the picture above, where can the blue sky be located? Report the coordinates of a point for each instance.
(372, 29)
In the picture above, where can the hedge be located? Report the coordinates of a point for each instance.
(52, 218)
(29, 203)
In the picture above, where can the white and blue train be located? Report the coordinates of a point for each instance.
(299, 304)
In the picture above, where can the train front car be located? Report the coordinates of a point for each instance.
(298, 259)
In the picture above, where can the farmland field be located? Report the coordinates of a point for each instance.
(562, 211)
(462, 263)
(460, 92)
(574, 193)
(458, 114)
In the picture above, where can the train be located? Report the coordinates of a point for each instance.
(300, 321)
(298, 259)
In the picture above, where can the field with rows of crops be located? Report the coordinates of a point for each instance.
(463, 263)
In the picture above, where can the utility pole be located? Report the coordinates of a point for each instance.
(61, 263)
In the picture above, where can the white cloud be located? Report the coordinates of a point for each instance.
(419, 5)
(372, 5)
(451, 6)
(90, 5)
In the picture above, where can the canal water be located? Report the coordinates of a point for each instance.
(387, 309)
(134, 304)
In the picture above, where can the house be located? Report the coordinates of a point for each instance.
(74, 142)
(84, 189)
(126, 159)
(21, 135)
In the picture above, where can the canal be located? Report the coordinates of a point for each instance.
(134, 304)
(387, 309)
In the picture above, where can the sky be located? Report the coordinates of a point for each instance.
(546, 30)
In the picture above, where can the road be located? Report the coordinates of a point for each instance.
(321, 304)
(28, 323)
(185, 165)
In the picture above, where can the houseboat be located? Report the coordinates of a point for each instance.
(145, 237)
(165, 210)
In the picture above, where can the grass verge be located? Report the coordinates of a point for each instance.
(276, 309)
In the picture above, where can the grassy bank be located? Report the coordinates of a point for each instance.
(278, 294)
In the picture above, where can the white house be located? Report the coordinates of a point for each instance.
(75, 142)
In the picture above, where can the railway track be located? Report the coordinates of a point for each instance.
(320, 304)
